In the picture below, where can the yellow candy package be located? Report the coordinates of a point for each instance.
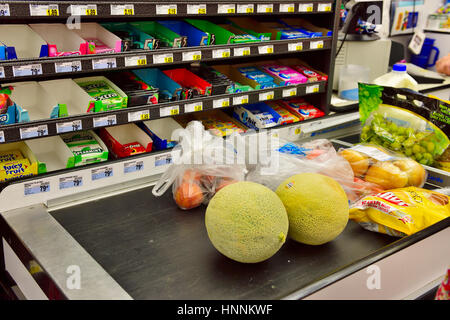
(401, 212)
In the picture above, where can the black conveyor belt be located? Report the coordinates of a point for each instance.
(156, 251)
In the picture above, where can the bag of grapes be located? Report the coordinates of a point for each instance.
(406, 122)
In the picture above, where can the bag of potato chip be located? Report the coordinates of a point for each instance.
(401, 212)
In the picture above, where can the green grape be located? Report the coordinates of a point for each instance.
(401, 139)
(422, 150)
(416, 149)
(366, 129)
(396, 145)
(408, 143)
(428, 156)
(401, 131)
(409, 132)
(392, 127)
(418, 156)
(413, 157)
(430, 147)
(423, 161)
(408, 152)
(421, 135)
(423, 143)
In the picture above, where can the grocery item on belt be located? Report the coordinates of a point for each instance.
(401, 212)
(85, 145)
(6, 156)
(100, 90)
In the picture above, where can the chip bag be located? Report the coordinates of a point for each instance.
(401, 212)
(409, 123)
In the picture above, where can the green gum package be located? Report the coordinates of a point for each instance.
(167, 37)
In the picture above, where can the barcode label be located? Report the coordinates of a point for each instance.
(297, 46)
(33, 132)
(2, 137)
(69, 126)
(291, 92)
(105, 121)
(240, 52)
(287, 7)
(306, 7)
(312, 89)
(169, 111)
(105, 63)
(28, 70)
(265, 49)
(324, 7)
(4, 10)
(240, 100)
(70, 182)
(245, 8)
(138, 115)
(193, 107)
(265, 8)
(83, 9)
(101, 173)
(135, 61)
(316, 44)
(133, 166)
(163, 9)
(192, 56)
(39, 10)
(70, 66)
(221, 53)
(269, 95)
(163, 58)
(36, 187)
(122, 9)
(196, 8)
(226, 8)
(2, 72)
(163, 160)
(221, 103)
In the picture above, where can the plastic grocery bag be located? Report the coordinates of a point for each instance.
(406, 122)
(386, 169)
(317, 156)
(401, 212)
(202, 165)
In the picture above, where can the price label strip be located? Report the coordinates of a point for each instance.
(2, 72)
(196, 8)
(265, 8)
(83, 9)
(33, 132)
(226, 8)
(36, 187)
(163, 160)
(135, 61)
(192, 56)
(287, 7)
(306, 7)
(122, 9)
(105, 121)
(163, 58)
(240, 100)
(269, 95)
(324, 7)
(4, 10)
(101, 173)
(138, 115)
(297, 46)
(28, 70)
(69, 126)
(316, 44)
(312, 89)
(193, 107)
(221, 103)
(43, 10)
(163, 9)
(70, 66)
(133, 166)
(105, 63)
(291, 92)
(169, 111)
(265, 49)
(2, 137)
(221, 53)
(245, 8)
(70, 182)
(241, 52)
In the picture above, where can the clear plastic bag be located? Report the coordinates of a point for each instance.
(202, 165)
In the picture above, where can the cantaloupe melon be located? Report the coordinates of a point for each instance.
(246, 222)
(317, 207)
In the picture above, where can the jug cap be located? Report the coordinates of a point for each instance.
(399, 67)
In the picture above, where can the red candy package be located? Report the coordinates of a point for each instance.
(302, 108)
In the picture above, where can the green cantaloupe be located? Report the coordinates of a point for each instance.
(246, 222)
(317, 207)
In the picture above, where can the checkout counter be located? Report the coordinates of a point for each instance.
(115, 240)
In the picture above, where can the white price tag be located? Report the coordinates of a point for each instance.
(162, 160)
(162, 9)
(265, 8)
(269, 95)
(70, 182)
(226, 8)
(306, 7)
(324, 7)
(139, 115)
(36, 187)
(265, 49)
(221, 53)
(296, 46)
(2, 137)
(83, 9)
(39, 10)
(122, 9)
(28, 70)
(312, 89)
(316, 44)
(245, 8)
(69, 126)
(105, 121)
(169, 111)
(135, 61)
(290, 92)
(163, 58)
(2, 72)
(240, 100)
(4, 10)
(105, 63)
(69, 66)
(295, 130)
(103, 172)
(240, 52)
(287, 7)
(193, 107)
(221, 103)
(133, 166)
(196, 8)
(192, 56)
(32, 132)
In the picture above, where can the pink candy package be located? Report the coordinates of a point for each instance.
(284, 75)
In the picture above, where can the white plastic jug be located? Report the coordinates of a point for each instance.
(397, 78)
